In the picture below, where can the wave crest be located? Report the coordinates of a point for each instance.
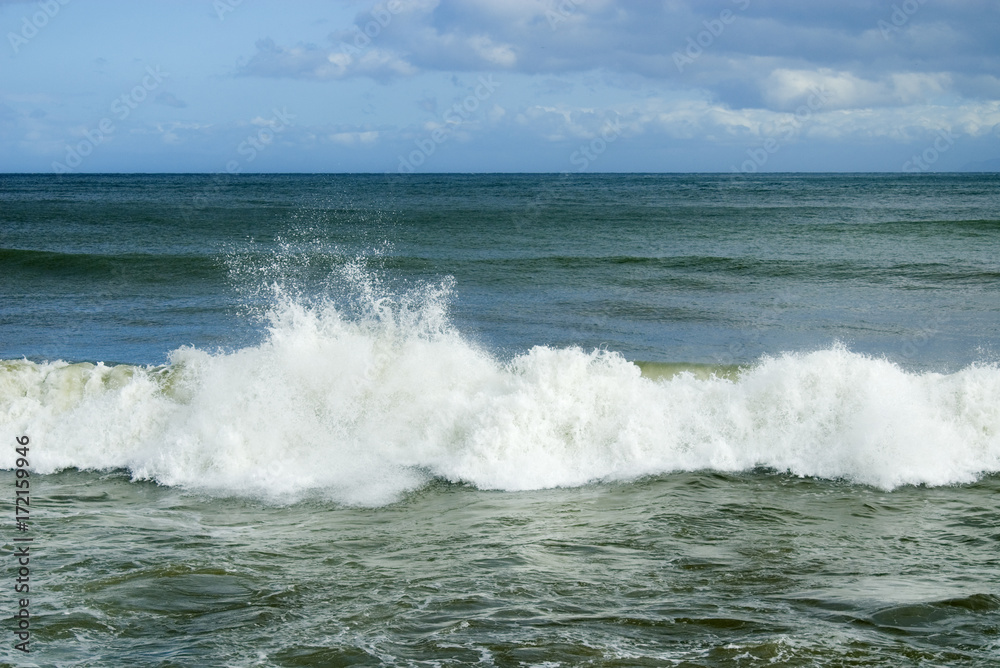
(364, 402)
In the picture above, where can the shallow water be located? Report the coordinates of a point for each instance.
(695, 568)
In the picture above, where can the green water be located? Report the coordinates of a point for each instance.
(694, 569)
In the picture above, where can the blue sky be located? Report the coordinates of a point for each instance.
(499, 85)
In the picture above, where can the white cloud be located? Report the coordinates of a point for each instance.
(787, 89)
(501, 55)
(700, 119)
(567, 68)
(353, 138)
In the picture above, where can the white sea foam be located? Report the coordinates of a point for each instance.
(366, 406)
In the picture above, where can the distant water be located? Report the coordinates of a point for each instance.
(506, 420)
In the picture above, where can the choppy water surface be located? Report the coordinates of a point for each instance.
(687, 569)
(505, 420)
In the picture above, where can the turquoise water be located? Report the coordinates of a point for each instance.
(696, 420)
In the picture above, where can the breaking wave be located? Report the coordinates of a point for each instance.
(364, 403)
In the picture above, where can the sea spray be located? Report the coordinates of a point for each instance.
(365, 399)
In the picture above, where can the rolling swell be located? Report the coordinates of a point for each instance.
(139, 267)
(158, 267)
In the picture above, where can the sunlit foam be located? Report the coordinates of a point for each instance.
(365, 399)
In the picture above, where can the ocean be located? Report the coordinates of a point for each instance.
(500, 420)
